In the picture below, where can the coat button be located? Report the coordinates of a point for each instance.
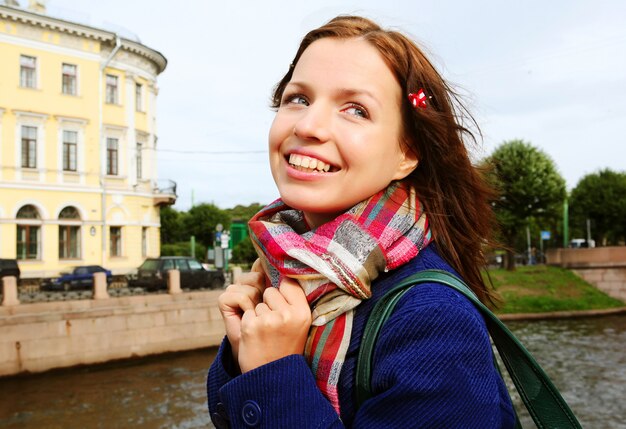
(219, 421)
(251, 414)
(221, 410)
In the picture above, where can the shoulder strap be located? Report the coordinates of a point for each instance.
(543, 401)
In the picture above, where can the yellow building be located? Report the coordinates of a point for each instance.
(77, 145)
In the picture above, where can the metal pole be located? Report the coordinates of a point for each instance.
(565, 224)
(193, 246)
(588, 232)
(528, 239)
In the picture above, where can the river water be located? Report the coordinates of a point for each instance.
(585, 358)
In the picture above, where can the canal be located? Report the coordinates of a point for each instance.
(585, 357)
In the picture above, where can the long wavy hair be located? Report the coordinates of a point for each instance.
(454, 193)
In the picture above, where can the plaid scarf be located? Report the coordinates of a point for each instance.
(336, 264)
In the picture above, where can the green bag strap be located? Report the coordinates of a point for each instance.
(542, 399)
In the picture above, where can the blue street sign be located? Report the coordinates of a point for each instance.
(545, 235)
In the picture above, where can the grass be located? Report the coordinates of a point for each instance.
(540, 288)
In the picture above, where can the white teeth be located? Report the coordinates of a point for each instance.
(308, 163)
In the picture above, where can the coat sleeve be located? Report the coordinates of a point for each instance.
(433, 368)
(280, 394)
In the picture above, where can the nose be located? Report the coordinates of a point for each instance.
(314, 123)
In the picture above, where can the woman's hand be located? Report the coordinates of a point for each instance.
(274, 328)
(239, 298)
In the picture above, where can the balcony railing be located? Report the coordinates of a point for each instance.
(164, 192)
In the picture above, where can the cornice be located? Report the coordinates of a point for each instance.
(81, 121)
(38, 115)
(57, 24)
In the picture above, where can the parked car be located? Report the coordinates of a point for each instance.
(577, 243)
(79, 278)
(152, 274)
(9, 267)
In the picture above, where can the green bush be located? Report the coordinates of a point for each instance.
(183, 248)
(244, 252)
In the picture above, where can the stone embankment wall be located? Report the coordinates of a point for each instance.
(603, 267)
(37, 337)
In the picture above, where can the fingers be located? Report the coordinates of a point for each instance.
(293, 293)
(261, 309)
(254, 279)
(237, 301)
(257, 267)
(240, 297)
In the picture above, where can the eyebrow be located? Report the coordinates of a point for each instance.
(342, 92)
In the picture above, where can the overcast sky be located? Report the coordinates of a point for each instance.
(550, 72)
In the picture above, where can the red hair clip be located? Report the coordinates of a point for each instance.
(419, 99)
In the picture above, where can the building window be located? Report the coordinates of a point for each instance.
(29, 147)
(69, 79)
(28, 71)
(144, 242)
(70, 142)
(115, 240)
(112, 145)
(69, 235)
(111, 94)
(139, 97)
(139, 160)
(28, 235)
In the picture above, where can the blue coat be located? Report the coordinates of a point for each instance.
(433, 368)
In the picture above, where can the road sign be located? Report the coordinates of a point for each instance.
(545, 235)
(224, 240)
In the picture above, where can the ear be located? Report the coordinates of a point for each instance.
(408, 163)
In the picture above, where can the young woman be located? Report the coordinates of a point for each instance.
(376, 184)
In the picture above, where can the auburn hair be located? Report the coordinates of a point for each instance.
(454, 193)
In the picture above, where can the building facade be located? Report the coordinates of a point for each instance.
(78, 173)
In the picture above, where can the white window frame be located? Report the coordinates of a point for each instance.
(144, 241)
(139, 97)
(35, 84)
(109, 140)
(76, 125)
(33, 147)
(68, 143)
(120, 243)
(116, 93)
(71, 223)
(123, 166)
(75, 92)
(139, 160)
(38, 222)
(30, 119)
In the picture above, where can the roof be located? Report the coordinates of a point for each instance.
(82, 30)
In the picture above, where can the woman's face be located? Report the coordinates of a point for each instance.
(335, 140)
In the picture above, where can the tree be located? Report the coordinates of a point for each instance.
(201, 221)
(171, 226)
(244, 252)
(244, 213)
(529, 186)
(601, 198)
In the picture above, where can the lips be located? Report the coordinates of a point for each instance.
(309, 164)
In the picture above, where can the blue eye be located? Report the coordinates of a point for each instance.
(295, 99)
(357, 110)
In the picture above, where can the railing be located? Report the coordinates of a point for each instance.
(164, 186)
(164, 192)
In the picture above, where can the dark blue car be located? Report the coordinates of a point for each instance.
(79, 278)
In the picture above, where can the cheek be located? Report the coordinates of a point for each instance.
(279, 130)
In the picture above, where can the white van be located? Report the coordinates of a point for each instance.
(577, 243)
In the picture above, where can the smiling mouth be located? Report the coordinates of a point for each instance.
(308, 164)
